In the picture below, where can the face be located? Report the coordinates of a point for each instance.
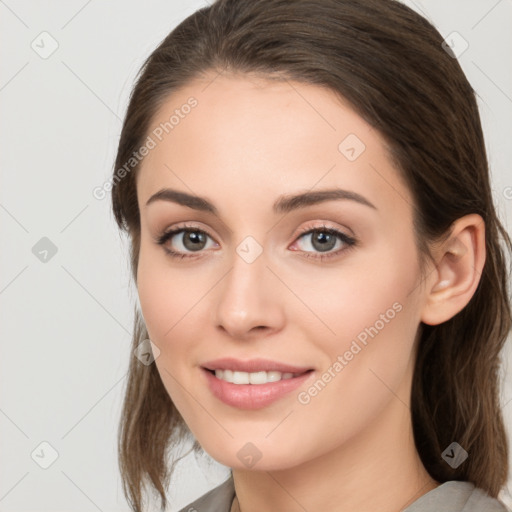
(327, 285)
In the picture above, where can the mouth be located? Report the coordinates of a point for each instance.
(255, 378)
(256, 389)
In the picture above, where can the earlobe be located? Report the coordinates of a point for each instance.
(459, 264)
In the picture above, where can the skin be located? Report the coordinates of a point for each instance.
(247, 142)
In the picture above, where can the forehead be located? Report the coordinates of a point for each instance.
(252, 134)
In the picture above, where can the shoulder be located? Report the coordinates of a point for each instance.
(219, 499)
(451, 496)
(456, 496)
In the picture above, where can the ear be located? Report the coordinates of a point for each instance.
(459, 264)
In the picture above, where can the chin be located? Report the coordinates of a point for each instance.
(248, 456)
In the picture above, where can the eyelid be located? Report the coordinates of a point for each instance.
(185, 226)
(325, 226)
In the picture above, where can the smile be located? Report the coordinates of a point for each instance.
(253, 390)
(236, 377)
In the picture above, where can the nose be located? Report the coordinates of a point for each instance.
(249, 302)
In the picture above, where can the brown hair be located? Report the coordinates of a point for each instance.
(389, 64)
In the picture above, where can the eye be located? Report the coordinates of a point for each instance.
(324, 239)
(182, 240)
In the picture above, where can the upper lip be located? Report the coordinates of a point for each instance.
(253, 365)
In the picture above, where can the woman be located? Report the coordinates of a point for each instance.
(318, 263)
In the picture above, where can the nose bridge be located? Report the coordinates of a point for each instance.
(246, 297)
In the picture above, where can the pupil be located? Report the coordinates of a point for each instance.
(192, 239)
(327, 241)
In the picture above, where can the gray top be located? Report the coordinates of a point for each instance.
(451, 496)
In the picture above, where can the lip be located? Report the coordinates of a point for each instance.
(253, 396)
(253, 365)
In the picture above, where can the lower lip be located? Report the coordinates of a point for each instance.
(252, 396)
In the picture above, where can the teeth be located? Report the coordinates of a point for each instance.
(252, 378)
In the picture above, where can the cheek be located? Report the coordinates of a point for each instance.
(162, 299)
(167, 308)
(368, 295)
(157, 305)
(172, 301)
(374, 320)
(163, 294)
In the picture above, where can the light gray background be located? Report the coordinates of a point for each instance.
(65, 323)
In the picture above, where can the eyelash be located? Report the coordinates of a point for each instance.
(350, 242)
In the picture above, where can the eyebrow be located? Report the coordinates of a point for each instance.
(283, 204)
